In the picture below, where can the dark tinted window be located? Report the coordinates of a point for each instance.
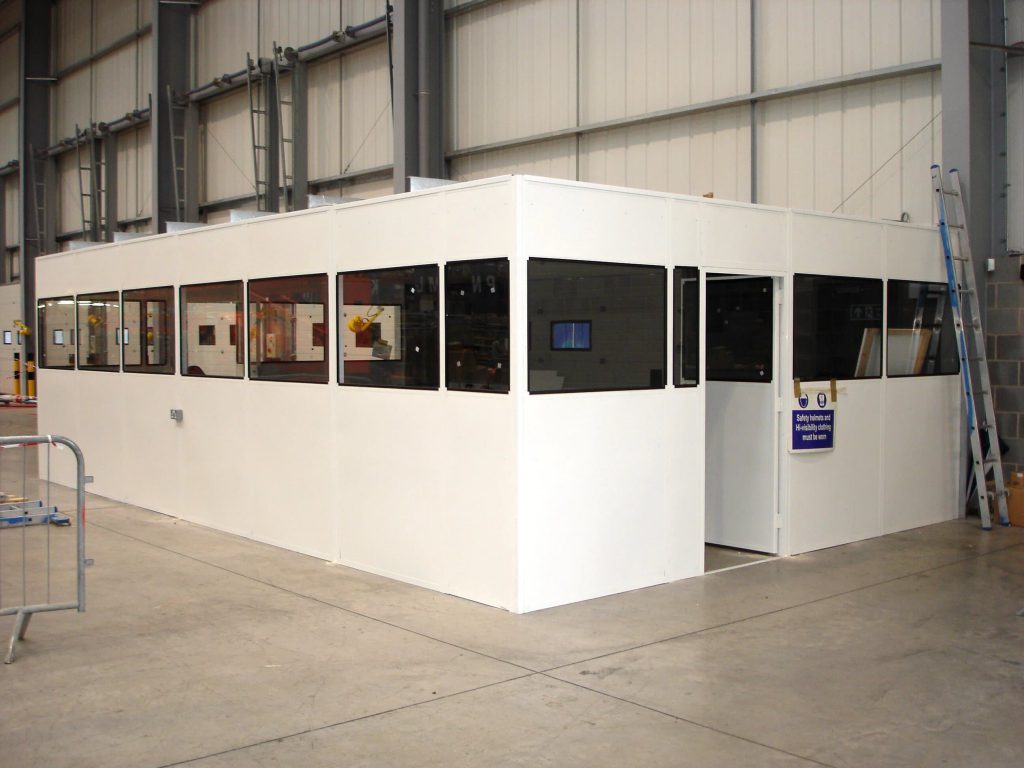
(56, 329)
(920, 338)
(476, 325)
(147, 330)
(686, 327)
(210, 316)
(389, 327)
(286, 329)
(739, 328)
(837, 327)
(99, 331)
(595, 326)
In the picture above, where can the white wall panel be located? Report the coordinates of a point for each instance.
(870, 145)
(556, 159)
(511, 71)
(134, 174)
(12, 209)
(325, 118)
(72, 104)
(225, 31)
(638, 57)
(227, 147)
(695, 155)
(72, 31)
(9, 67)
(115, 19)
(9, 134)
(803, 40)
(297, 22)
(364, 190)
(366, 130)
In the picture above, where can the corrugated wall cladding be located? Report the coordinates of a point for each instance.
(803, 40)
(71, 105)
(325, 118)
(649, 56)
(115, 19)
(226, 160)
(9, 134)
(116, 83)
(12, 210)
(705, 153)
(863, 150)
(555, 158)
(512, 71)
(367, 136)
(69, 202)
(72, 31)
(225, 30)
(295, 22)
(9, 67)
(134, 175)
(1015, 129)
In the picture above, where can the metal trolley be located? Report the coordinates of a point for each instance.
(18, 516)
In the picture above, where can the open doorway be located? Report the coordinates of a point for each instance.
(741, 371)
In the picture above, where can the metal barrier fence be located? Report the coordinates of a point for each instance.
(32, 583)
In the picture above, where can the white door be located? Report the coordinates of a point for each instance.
(741, 436)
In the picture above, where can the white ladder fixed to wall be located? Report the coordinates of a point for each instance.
(964, 301)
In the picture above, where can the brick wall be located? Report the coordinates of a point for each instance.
(1004, 328)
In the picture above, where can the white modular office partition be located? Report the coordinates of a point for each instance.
(604, 462)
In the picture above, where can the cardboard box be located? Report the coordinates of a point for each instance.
(1015, 499)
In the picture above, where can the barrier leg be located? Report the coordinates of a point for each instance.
(18, 633)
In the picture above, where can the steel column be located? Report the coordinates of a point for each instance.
(34, 117)
(191, 212)
(430, 65)
(172, 55)
(406, 79)
(110, 192)
(300, 134)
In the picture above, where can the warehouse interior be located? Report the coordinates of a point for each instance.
(121, 119)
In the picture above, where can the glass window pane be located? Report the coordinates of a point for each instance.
(595, 326)
(147, 331)
(286, 329)
(686, 327)
(56, 332)
(920, 339)
(210, 316)
(837, 328)
(390, 327)
(739, 328)
(99, 331)
(476, 325)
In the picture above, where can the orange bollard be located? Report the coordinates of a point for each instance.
(17, 374)
(30, 375)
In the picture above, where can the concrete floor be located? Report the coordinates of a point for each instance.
(203, 649)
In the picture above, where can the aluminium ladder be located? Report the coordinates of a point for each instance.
(963, 295)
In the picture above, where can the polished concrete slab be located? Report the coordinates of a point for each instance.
(202, 648)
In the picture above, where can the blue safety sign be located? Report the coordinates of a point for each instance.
(814, 426)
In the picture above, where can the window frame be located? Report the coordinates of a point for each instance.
(242, 315)
(340, 345)
(881, 328)
(663, 325)
(248, 337)
(171, 330)
(888, 329)
(677, 348)
(444, 348)
(42, 329)
(118, 333)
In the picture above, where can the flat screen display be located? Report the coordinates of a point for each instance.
(570, 335)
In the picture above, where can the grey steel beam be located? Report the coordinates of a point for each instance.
(191, 162)
(11, 102)
(430, 95)
(4, 277)
(171, 65)
(300, 134)
(406, 85)
(110, 191)
(783, 92)
(34, 118)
